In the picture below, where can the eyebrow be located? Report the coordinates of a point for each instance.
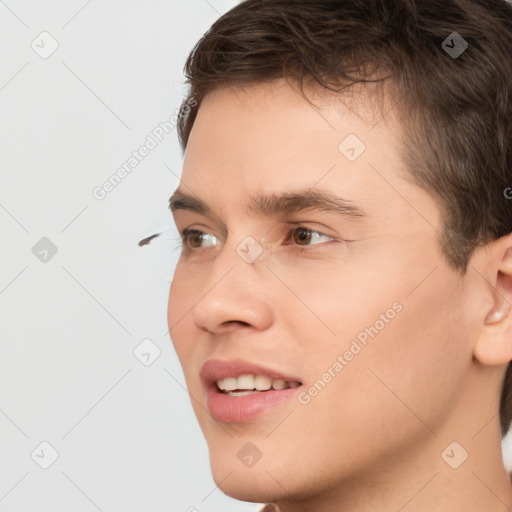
(286, 203)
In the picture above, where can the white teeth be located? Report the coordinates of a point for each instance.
(279, 384)
(229, 384)
(251, 383)
(245, 382)
(262, 382)
(241, 393)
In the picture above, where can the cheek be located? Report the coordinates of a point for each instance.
(332, 304)
(415, 364)
(399, 350)
(402, 383)
(435, 355)
(178, 318)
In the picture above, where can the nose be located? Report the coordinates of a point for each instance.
(235, 295)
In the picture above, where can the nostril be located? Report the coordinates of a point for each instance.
(229, 323)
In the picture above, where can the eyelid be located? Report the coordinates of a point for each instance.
(307, 225)
(290, 232)
(185, 233)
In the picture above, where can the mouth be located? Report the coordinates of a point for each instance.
(239, 391)
(250, 384)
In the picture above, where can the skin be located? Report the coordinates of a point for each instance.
(373, 438)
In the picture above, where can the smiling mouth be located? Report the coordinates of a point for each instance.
(230, 384)
(250, 384)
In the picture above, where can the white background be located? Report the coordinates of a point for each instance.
(125, 433)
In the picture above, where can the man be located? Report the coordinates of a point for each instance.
(342, 304)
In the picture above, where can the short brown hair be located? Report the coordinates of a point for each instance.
(457, 108)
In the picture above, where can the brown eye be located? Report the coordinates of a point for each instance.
(192, 238)
(303, 236)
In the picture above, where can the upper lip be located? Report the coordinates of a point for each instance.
(215, 369)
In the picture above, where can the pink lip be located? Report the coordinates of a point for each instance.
(241, 408)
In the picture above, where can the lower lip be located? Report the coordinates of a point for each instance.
(247, 407)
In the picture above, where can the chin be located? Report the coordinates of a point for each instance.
(265, 482)
(244, 485)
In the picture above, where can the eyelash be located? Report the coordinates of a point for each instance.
(187, 233)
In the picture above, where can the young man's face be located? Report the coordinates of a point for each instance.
(363, 310)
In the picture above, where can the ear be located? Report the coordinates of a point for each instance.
(494, 345)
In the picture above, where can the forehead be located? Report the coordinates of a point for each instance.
(271, 126)
(267, 138)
